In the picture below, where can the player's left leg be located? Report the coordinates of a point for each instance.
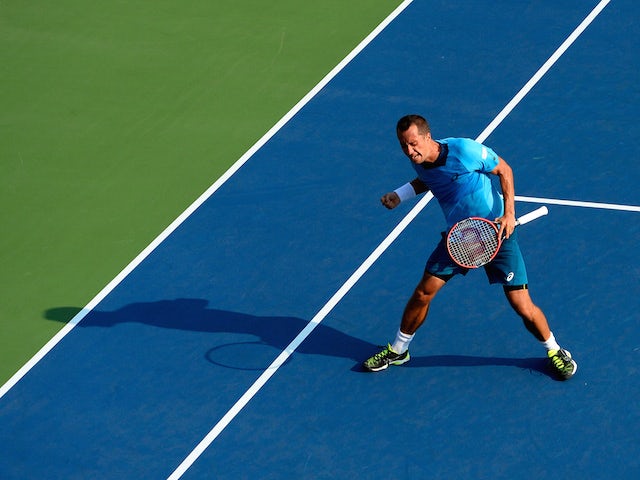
(535, 321)
(508, 269)
(533, 318)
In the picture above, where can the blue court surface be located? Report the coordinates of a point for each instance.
(178, 370)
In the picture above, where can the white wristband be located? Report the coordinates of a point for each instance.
(405, 192)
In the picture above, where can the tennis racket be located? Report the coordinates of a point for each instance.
(474, 242)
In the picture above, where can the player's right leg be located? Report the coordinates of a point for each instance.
(413, 317)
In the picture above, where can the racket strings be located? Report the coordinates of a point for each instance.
(473, 242)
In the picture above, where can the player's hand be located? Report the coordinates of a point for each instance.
(390, 200)
(507, 224)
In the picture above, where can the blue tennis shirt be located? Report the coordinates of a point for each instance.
(459, 180)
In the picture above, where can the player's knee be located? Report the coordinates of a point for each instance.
(428, 287)
(521, 303)
(423, 295)
(526, 310)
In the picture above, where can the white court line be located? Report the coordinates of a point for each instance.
(543, 70)
(577, 203)
(353, 279)
(286, 353)
(194, 206)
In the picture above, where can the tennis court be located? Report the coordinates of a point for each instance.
(230, 347)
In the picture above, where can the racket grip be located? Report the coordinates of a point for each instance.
(537, 213)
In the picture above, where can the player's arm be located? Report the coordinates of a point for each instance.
(405, 192)
(508, 220)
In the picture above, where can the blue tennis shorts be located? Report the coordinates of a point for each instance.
(507, 268)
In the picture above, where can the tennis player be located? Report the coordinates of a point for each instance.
(457, 171)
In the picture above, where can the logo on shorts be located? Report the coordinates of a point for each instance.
(510, 276)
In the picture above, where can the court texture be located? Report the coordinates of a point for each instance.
(196, 261)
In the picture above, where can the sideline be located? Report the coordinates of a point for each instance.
(195, 205)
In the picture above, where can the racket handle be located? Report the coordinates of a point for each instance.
(537, 213)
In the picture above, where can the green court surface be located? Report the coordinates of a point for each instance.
(117, 115)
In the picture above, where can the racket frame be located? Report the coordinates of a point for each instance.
(537, 213)
(459, 227)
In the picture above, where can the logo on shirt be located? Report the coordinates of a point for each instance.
(510, 276)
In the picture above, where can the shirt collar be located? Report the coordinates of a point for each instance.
(441, 160)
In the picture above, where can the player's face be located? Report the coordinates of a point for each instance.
(414, 144)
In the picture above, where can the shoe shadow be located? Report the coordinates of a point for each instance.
(536, 364)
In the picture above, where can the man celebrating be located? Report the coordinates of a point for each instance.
(456, 171)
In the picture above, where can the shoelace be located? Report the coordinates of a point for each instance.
(559, 362)
(383, 354)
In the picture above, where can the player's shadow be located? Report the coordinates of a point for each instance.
(194, 315)
(274, 331)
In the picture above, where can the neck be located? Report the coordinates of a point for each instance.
(434, 153)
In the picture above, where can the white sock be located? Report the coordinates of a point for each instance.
(401, 343)
(550, 343)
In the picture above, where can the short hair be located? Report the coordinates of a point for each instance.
(405, 122)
